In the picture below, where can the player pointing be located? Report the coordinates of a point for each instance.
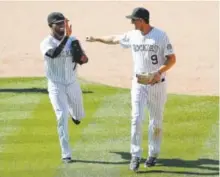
(153, 55)
(64, 90)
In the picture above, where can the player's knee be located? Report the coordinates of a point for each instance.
(136, 121)
(61, 115)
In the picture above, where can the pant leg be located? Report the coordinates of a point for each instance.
(155, 104)
(138, 101)
(75, 101)
(58, 98)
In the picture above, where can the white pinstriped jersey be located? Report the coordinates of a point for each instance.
(148, 50)
(59, 69)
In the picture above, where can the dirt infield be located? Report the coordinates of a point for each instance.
(191, 26)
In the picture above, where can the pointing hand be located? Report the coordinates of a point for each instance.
(90, 39)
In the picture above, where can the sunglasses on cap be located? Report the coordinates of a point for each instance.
(60, 22)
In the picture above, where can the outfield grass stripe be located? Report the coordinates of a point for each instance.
(13, 108)
(116, 106)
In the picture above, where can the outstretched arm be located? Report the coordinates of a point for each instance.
(114, 39)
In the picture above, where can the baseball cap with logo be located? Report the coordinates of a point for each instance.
(55, 17)
(138, 13)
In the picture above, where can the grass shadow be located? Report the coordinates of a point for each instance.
(202, 164)
(31, 90)
(179, 172)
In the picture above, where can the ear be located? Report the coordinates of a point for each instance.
(50, 25)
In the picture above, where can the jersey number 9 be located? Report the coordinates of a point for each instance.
(154, 59)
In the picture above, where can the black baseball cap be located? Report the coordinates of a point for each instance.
(138, 13)
(55, 17)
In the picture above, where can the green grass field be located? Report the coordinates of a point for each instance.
(29, 142)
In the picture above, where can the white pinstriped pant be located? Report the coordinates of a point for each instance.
(65, 99)
(153, 98)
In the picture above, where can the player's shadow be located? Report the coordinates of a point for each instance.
(31, 90)
(201, 164)
(197, 165)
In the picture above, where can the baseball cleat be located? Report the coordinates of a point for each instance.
(77, 122)
(150, 162)
(135, 163)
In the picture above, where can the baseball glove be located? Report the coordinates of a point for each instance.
(148, 78)
(79, 57)
(144, 78)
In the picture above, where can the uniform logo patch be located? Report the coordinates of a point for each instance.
(169, 47)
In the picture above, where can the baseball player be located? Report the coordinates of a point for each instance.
(64, 90)
(153, 55)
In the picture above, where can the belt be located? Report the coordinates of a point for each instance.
(162, 80)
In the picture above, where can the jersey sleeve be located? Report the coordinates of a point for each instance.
(125, 40)
(168, 47)
(45, 46)
(73, 38)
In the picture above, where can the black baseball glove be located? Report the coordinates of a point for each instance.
(79, 57)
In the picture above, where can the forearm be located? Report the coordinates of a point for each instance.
(171, 60)
(107, 40)
(53, 53)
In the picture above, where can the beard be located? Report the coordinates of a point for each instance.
(59, 34)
